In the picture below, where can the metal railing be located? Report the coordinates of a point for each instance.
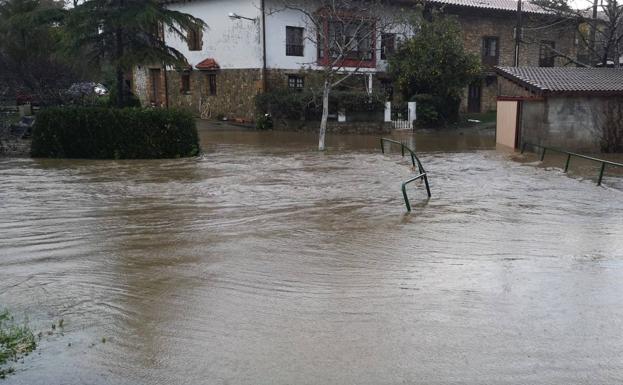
(415, 161)
(603, 162)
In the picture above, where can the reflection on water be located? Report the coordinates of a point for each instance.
(266, 262)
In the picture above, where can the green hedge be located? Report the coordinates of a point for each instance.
(107, 133)
(294, 105)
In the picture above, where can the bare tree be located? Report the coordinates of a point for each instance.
(346, 34)
(599, 27)
(609, 128)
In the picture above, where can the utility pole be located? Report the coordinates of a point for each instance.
(518, 33)
(592, 46)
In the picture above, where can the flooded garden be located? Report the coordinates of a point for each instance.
(264, 261)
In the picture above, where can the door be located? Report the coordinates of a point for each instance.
(154, 91)
(473, 97)
(507, 123)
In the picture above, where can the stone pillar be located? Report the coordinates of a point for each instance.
(388, 112)
(412, 113)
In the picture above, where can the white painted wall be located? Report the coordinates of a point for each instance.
(278, 18)
(236, 44)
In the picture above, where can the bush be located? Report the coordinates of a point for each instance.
(436, 111)
(106, 133)
(264, 122)
(294, 105)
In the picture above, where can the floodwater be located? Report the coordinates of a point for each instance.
(266, 262)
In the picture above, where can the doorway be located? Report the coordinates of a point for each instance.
(474, 93)
(154, 91)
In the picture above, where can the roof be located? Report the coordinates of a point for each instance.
(208, 64)
(566, 80)
(498, 5)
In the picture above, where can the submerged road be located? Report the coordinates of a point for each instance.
(266, 262)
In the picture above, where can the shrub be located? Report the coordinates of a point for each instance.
(106, 133)
(264, 122)
(294, 105)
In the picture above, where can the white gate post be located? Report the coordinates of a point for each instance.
(341, 116)
(388, 112)
(412, 113)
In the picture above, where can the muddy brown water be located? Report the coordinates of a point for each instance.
(266, 262)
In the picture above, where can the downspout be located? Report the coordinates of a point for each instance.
(517, 35)
(263, 9)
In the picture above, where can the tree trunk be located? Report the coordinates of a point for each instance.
(325, 114)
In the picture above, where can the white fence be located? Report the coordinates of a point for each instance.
(401, 119)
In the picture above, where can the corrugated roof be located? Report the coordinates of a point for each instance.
(566, 79)
(500, 5)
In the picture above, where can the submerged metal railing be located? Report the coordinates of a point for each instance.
(415, 161)
(603, 162)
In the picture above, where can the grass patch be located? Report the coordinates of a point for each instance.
(484, 117)
(16, 340)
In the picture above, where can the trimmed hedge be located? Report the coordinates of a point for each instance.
(294, 105)
(107, 133)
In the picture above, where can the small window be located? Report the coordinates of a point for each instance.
(296, 82)
(185, 83)
(388, 45)
(546, 53)
(490, 50)
(294, 41)
(212, 84)
(195, 39)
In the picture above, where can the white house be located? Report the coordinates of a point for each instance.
(255, 45)
(250, 46)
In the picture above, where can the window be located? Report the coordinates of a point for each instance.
(212, 84)
(195, 39)
(185, 82)
(294, 41)
(296, 82)
(351, 40)
(490, 50)
(546, 54)
(388, 45)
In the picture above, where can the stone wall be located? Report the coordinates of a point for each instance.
(476, 25)
(571, 123)
(234, 98)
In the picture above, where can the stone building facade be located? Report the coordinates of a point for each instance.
(244, 63)
(499, 25)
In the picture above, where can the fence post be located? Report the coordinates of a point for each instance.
(543, 154)
(404, 194)
(388, 112)
(601, 173)
(567, 163)
(412, 113)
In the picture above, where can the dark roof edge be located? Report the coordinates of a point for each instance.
(516, 79)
